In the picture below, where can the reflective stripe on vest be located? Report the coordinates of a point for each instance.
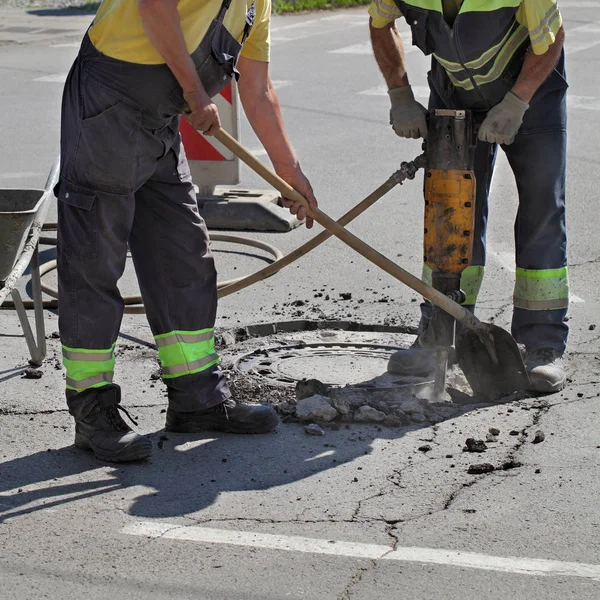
(470, 282)
(88, 368)
(501, 61)
(484, 46)
(186, 352)
(543, 289)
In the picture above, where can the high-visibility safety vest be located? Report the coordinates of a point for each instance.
(478, 58)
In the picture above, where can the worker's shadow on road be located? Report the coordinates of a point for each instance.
(189, 473)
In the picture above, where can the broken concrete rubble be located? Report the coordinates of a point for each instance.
(315, 408)
(368, 414)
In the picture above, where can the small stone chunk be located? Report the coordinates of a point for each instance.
(425, 448)
(474, 445)
(511, 464)
(494, 431)
(313, 429)
(368, 414)
(310, 387)
(30, 373)
(480, 469)
(315, 408)
(540, 436)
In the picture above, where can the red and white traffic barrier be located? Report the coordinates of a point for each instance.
(210, 162)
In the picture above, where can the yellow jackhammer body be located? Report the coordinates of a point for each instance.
(448, 225)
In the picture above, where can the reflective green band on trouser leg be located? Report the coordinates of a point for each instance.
(541, 289)
(470, 282)
(186, 352)
(88, 368)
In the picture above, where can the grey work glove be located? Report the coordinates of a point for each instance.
(407, 116)
(503, 122)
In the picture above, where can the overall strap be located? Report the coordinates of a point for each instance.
(224, 7)
(250, 16)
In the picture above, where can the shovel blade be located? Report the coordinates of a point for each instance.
(491, 361)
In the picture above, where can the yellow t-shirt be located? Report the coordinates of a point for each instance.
(541, 17)
(117, 30)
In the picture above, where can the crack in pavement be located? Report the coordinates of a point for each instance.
(355, 579)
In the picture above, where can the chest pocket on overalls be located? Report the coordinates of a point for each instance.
(418, 25)
(217, 55)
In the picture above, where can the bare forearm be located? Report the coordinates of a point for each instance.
(163, 27)
(537, 68)
(264, 115)
(388, 50)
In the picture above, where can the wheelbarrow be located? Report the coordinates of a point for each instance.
(22, 215)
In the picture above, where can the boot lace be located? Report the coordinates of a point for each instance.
(543, 356)
(114, 417)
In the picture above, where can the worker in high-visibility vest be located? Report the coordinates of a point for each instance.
(504, 61)
(125, 181)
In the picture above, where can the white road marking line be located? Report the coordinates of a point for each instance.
(258, 151)
(19, 175)
(280, 83)
(507, 260)
(583, 102)
(362, 48)
(453, 558)
(339, 17)
(420, 91)
(365, 48)
(580, 46)
(56, 78)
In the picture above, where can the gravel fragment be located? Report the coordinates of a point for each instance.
(491, 438)
(311, 387)
(425, 448)
(473, 445)
(368, 414)
(341, 405)
(313, 429)
(511, 464)
(480, 469)
(494, 431)
(540, 436)
(315, 408)
(30, 373)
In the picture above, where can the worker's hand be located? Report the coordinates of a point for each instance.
(503, 122)
(297, 179)
(407, 116)
(201, 112)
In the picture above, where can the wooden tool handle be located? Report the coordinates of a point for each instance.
(460, 313)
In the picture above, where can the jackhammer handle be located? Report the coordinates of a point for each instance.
(460, 313)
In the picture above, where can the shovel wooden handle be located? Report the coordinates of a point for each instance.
(460, 313)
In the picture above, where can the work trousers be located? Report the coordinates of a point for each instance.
(125, 181)
(537, 158)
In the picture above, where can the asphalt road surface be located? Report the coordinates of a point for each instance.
(360, 513)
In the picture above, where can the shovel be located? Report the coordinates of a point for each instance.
(487, 354)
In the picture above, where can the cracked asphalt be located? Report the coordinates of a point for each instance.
(360, 513)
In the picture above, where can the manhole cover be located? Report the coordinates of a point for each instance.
(332, 363)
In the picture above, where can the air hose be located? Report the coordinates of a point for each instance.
(133, 304)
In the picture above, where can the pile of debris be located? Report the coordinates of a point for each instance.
(329, 406)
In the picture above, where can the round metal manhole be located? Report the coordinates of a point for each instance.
(331, 363)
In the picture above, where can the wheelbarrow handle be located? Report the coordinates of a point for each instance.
(460, 313)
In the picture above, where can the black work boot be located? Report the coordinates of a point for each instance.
(100, 428)
(227, 416)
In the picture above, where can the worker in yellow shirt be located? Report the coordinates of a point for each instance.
(125, 181)
(504, 61)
